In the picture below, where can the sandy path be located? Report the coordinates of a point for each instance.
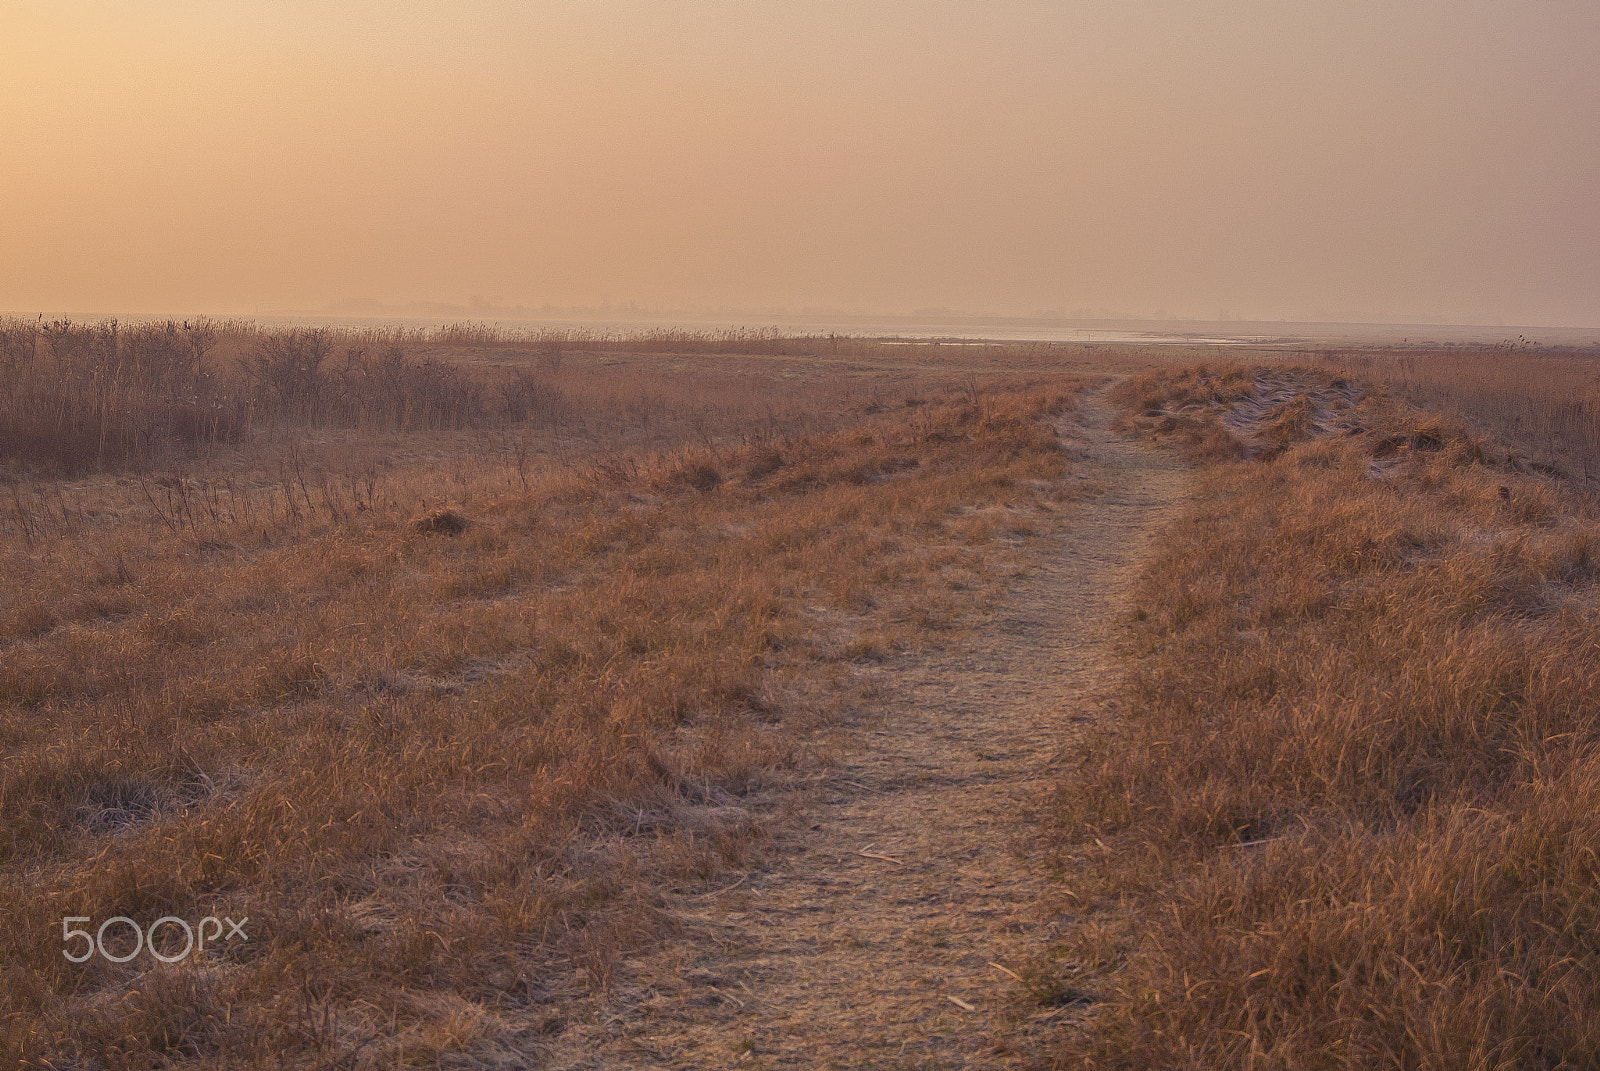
(829, 958)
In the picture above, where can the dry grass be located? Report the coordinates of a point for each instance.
(454, 715)
(83, 398)
(1547, 402)
(1348, 819)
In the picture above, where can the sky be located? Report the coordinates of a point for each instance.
(1405, 161)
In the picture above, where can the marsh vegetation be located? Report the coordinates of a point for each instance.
(460, 661)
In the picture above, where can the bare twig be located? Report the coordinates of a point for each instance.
(1004, 970)
(885, 858)
(719, 892)
(726, 995)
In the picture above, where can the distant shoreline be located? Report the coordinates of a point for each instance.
(937, 328)
(1017, 329)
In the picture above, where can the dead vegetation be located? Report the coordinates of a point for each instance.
(453, 715)
(442, 522)
(1544, 400)
(1348, 815)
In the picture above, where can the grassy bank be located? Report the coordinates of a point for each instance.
(1348, 816)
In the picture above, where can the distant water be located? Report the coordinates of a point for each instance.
(1006, 329)
(911, 331)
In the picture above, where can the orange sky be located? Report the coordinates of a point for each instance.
(1299, 159)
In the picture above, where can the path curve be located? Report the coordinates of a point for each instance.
(827, 957)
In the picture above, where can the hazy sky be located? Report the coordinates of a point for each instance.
(1300, 159)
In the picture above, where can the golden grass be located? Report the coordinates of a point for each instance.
(1547, 402)
(452, 715)
(1348, 819)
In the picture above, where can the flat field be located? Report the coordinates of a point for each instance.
(694, 701)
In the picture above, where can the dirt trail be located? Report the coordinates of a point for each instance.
(826, 957)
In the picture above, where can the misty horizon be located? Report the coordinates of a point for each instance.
(1306, 164)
